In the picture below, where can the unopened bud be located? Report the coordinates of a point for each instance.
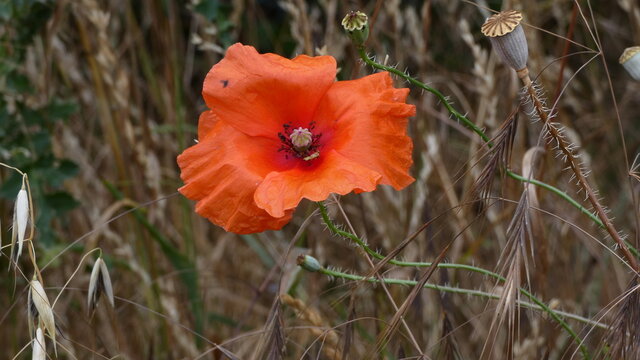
(309, 263)
(507, 37)
(630, 60)
(356, 24)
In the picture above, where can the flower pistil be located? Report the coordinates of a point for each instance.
(300, 142)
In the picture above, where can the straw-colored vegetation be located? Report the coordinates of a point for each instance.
(517, 240)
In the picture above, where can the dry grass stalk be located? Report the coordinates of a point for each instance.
(624, 340)
(330, 339)
(499, 157)
(513, 259)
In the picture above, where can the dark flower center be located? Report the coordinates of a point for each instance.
(300, 143)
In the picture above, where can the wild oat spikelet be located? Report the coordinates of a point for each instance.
(630, 60)
(39, 346)
(20, 219)
(38, 299)
(507, 37)
(99, 282)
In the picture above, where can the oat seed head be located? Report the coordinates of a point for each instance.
(106, 282)
(45, 312)
(20, 219)
(39, 346)
(94, 289)
(99, 282)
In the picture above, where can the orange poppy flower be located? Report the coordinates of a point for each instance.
(280, 130)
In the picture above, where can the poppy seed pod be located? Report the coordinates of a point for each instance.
(630, 60)
(507, 37)
(356, 24)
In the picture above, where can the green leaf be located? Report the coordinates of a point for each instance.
(208, 9)
(60, 110)
(18, 83)
(60, 201)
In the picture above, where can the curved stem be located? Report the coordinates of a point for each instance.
(552, 313)
(468, 123)
(456, 290)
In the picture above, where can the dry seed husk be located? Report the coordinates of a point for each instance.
(507, 38)
(38, 297)
(20, 219)
(93, 293)
(630, 60)
(99, 282)
(39, 346)
(106, 282)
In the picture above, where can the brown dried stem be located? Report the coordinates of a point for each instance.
(565, 148)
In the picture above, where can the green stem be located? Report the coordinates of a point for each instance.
(456, 290)
(468, 123)
(553, 314)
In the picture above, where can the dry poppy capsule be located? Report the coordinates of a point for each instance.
(507, 37)
(356, 24)
(630, 60)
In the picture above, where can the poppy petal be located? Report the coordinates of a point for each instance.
(258, 93)
(369, 120)
(282, 191)
(222, 179)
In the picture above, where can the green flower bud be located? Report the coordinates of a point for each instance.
(356, 24)
(309, 263)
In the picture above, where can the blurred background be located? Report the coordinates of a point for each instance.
(99, 97)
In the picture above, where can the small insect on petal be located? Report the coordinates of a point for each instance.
(20, 219)
(39, 346)
(38, 298)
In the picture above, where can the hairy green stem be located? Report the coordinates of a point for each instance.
(468, 123)
(456, 290)
(555, 315)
